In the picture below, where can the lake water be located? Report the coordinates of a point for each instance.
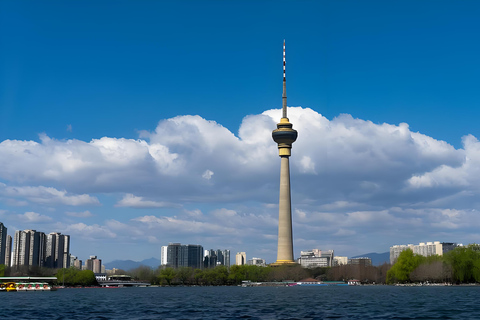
(363, 302)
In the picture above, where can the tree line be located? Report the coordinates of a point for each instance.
(219, 275)
(461, 265)
(234, 275)
(69, 277)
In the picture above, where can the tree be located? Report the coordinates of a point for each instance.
(75, 277)
(407, 262)
(166, 276)
(288, 272)
(84, 278)
(198, 276)
(142, 273)
(184, 275)
(465, 263)
(432, 271)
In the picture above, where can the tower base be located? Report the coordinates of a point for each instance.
(282, 263)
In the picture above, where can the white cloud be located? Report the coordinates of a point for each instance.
(130, 200)
(350, 177)
(178, 160)
(84, 214)
(90, 232)
(47, 195)
(33, 217)
(344, 232)
(196, 213)
(207, 174)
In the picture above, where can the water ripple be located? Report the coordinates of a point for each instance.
(259, 303)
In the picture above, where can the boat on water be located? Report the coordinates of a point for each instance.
(8, 286)
(25, 286)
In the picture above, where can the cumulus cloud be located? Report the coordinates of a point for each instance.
(332, 158)
(349, 177)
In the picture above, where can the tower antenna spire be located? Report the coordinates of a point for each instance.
(284, 95)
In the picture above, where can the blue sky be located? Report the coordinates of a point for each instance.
(131, 124)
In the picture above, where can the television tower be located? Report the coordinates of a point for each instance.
(284, 136)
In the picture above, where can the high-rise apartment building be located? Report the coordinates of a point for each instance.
(3, 243)
(29, 248)
(75, 262)
(210, 259)
(213, 258)
(174, 255)
(163, 255)
(66, 251)
(240, 258)
(33, 248)
(57, 250)
(94, 264)
(225, 257)
(8, 252)
(178, 255)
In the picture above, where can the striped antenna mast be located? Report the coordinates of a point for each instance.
(284, 95)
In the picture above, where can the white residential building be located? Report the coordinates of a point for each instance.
(423, 249)
(240, 258)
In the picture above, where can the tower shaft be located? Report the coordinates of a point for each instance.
(285, 234)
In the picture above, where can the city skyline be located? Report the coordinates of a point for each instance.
(131, 125)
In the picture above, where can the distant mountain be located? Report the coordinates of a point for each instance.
(130, 264)
(377, 258)
(152, 262)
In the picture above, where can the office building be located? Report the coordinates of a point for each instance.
(362, 261)
(257, 262)
(316, 258)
